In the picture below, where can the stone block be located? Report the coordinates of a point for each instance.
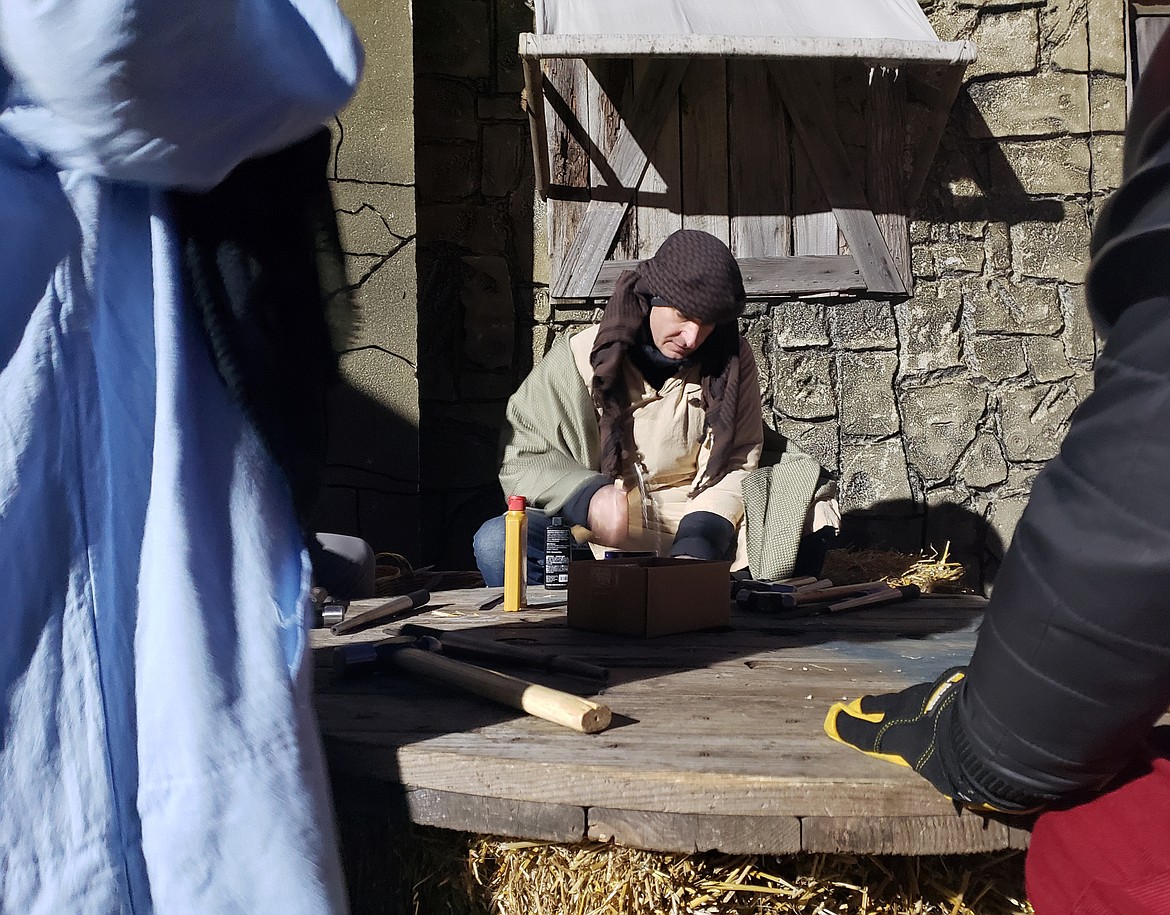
(1002, 307)
(939, 423)
(820, 440)
(997, 245)
(460, 443)
(953, 21)
(922, 262)
(757, 334)
(799, 324)
(1082, 386)
(864, 324)
(386, 302)
(1105, 150)
(1107, 26)
(499, 108)
(373, 219)
(1080, 340)
(1038, 105)
(1034, 421)
(378, 123)
(963, 256)
(802, 386)
(1108, 103)
(479, 228)
(541, 305)
(919, 231)
(512, 18)
(998, 358)
(983, 463)
(447, 171)
(1055, 167)
(489, 312)
(374, 414)
(1065, 35)
(503, 163)
(874, 478)
(866, 391)
(451, 38)
(444, 109)
(1002, 517)
(1053, 250)
(1046, 359)
(928, 328)
(1007, 43)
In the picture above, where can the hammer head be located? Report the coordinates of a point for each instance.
(368, 657)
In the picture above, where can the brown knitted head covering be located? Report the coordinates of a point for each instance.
(694, 273)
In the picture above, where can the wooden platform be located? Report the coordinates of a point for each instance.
(716, 743)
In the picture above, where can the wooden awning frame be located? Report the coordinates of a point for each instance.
(584, 272)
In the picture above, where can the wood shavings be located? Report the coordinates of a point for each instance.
(931, 573)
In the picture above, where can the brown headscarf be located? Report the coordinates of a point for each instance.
(696, 274)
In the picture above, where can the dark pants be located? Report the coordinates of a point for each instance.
(343, 566)
(489, 549)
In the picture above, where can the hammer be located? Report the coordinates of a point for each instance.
(417, 655)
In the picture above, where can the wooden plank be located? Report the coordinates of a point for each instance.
(594, 237)
(659, 199)
(533, 103)
(800, 89)
(692, 833)
(610, 93)
(495, 816)
(566, 84)
(906, 835)
(885, 129)
(759, 157)
(703, 105)
(771, 276)
(878, 51)
(814, 228)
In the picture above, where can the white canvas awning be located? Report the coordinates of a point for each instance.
(885, 32)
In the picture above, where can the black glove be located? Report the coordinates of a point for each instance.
(915, 728)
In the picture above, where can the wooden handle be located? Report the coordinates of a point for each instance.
(385, 611)
(552, 705)
(456, 642)
(888, 596)
(828, 594)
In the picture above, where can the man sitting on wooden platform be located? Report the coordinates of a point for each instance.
(643, 428)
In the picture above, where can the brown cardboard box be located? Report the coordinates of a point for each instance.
(648, 597)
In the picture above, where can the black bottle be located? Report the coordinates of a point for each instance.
(557, 544)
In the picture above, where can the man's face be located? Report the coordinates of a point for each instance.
(675, 335)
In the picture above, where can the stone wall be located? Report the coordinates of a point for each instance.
(936, 411)
(371, 480)
(475, 203)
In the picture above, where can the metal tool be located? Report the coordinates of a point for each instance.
(456, 642)
(382, 612)
(417, 655)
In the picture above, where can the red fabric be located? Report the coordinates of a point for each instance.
(1110, 855)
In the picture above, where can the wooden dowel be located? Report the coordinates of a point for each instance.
(889, 596)
(827, 594)
(818, 585)
(382, 612)
(552, 705)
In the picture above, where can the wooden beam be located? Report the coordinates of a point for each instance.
(567, 90)
(659, 198)
(890, 52)
(841, 185)
(690, 833)
(905, 835)
(767, 276)
(603, 218)
(534, 105)
(610, 95)
(885, 180)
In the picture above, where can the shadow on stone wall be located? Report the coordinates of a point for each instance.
(369, 488)
(906, 527)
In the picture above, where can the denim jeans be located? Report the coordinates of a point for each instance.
(489, 549)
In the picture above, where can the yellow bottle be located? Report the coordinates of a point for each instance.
(516, 554)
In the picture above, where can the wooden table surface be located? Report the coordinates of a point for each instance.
(716, 741)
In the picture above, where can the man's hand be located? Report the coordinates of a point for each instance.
(609, 515)
(907, 729)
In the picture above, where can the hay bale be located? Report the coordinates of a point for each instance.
(932, 573)
(447, 873)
